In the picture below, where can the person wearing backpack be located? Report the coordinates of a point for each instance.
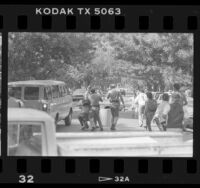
(150, 109)
(115, 97)
(140, 102)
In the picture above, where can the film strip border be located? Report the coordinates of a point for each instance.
(119, 170)
(137, 19)
(95, 170)
(95, 23)
(143, 23)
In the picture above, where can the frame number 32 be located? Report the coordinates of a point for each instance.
(26, 179)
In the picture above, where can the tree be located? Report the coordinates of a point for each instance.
(151, 60)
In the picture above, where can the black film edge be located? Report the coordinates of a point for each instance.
(144, 48)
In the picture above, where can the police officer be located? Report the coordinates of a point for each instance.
(94, 100)
(115, 97)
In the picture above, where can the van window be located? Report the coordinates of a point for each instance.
(61, 94)
(67, 92)
(31, 93)
(17, 92)
(62, 91)
(47, 93)
(55, 91)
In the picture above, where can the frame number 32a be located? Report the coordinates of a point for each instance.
(121, 179)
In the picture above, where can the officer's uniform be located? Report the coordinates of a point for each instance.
(114, 96)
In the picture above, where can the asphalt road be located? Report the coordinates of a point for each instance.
(126, 121)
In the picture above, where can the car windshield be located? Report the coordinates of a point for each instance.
(31, 93)
(17, 92)
(24, 140)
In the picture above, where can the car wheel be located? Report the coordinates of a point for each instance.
(68, 119)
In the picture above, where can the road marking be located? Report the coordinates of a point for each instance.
(100, 179)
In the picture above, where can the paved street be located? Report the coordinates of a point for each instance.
(125, 123)
(128, 140)
(126, 120)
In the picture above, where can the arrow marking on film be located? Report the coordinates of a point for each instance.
(105, 178)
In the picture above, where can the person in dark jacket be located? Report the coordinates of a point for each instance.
(86, 115)
(182, 99)
(115, 97)
(150, 108)
(176, 113)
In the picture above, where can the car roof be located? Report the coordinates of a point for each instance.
(36, 82)
(27, 114)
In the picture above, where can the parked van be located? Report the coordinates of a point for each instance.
(50, 96)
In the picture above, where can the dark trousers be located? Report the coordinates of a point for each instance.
(149, 117)
(115, 113)
(83, 121)
(97, 119)
(83, 118)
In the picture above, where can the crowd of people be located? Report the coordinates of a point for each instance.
(91, 108)
(169, 113)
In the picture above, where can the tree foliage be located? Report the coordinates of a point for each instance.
(151, 60)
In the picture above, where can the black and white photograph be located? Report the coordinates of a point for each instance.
(100, 94)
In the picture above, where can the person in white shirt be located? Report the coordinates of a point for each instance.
(140, 101)
(133, 105)
(161, 114)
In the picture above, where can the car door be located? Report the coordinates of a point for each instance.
(66, 101)
(26, 139)
(55, 101)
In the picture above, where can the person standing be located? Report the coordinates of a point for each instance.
(86, 115)
(176, 113)
(87, 93)
(94, 100)
(115, 97)
(161, 114)
(133, 105)
(140, 102)
(182, 99)
(150, 109)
